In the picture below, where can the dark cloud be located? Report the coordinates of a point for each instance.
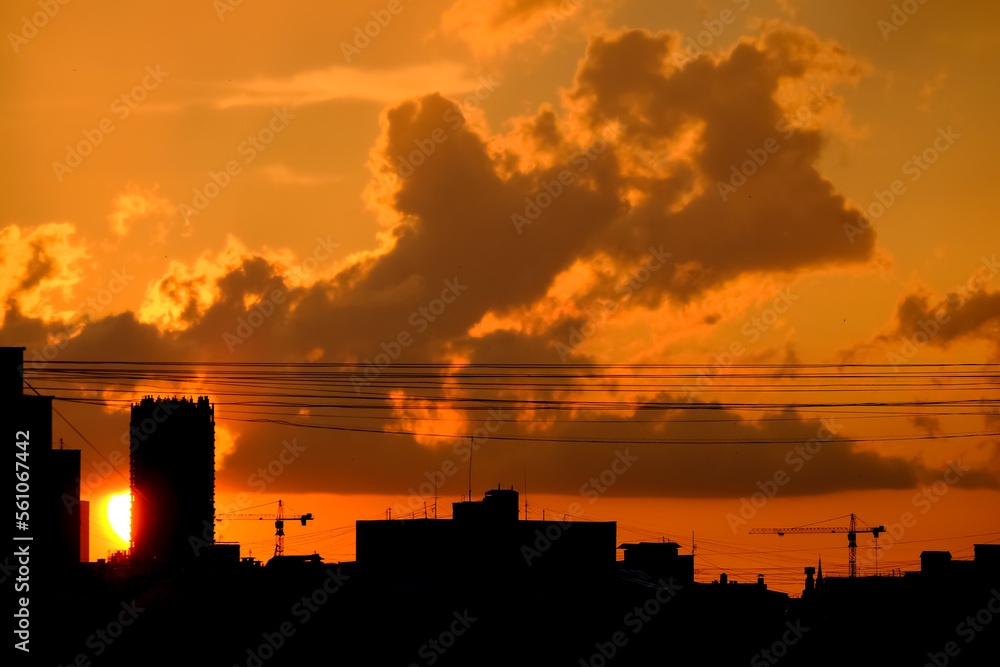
(758, 203)
(974, 314)
(39, 267)
(928, 424)
(457, 254)
(814, 460)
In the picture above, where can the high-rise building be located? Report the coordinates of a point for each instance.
(84, 531)
(50, 477)
(173, 478)
(47, 515)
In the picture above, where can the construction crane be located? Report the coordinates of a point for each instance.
(852, 531)
(279, 523)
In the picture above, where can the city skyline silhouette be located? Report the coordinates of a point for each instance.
(531, 312)
(486, 560)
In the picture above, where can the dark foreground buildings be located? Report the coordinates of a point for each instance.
(172, 466)
(485, 542)
(45, 549)
(50, 476)
(483, 588)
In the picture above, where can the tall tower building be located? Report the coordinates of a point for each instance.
(47, 521)
(173, 478)
(53, 485)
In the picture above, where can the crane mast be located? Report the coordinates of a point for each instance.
(852, 531)
(279, 524)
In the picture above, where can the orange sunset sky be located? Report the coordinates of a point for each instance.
(772, 188)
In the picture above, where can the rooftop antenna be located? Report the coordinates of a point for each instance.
(525, 491)
(471, 452)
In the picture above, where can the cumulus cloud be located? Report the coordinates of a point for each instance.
(181, 296)
(357, 463)
(137, 206)
(968, 312)
(973, 314)
(39, 268)
(496, 245)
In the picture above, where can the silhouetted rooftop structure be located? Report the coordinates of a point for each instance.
(47, 529)
(496, 505)
(173, 478)
(484, 539)
(660, 559)
(53, 474)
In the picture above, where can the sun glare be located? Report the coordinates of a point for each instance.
(120, 515)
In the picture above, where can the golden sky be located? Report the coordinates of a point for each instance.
(569, 181)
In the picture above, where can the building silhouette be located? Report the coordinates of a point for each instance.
(485, 540)
(660, 559)
(52, 475)
(84, 531)
(47, 528)
(61, 489)
(172, 464)
(487, 585)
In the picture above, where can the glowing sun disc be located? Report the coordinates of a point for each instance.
(120, 515)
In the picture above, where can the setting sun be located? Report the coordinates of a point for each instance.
(120, 515)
